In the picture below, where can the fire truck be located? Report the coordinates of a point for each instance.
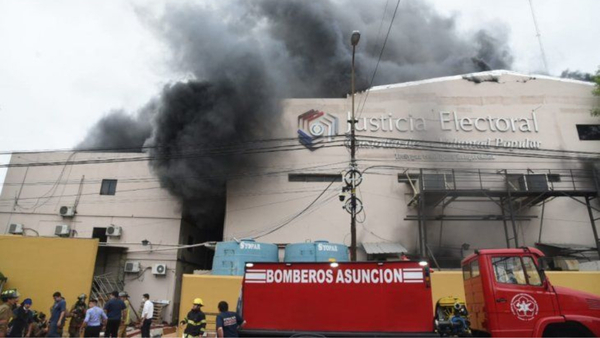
(507, 294)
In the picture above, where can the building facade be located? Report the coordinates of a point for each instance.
(96, 192)
(448, 165)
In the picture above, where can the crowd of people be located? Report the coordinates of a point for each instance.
(89, 320)
(18, 319)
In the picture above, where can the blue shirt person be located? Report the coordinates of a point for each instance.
(94, 319)
(57, 315)
(95, 316)
(228, 322)
(114, 308)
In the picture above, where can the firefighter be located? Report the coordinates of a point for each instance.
(9, 300)
(126, 320)
(195, 320)
(40, 325)
(77, 315)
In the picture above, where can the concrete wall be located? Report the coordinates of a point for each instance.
(38, 267)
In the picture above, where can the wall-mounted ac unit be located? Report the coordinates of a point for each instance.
(66, 211)
(15, 229)
(113, 231)
(132, 266)
(62, 230)
(159, 269)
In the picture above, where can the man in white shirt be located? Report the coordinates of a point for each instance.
(147, 314)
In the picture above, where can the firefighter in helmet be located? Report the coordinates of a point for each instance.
(195, 321)
(10, 298)
(77, 315)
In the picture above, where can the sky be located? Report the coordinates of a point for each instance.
(66, 63)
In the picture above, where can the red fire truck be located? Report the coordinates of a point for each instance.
(506, 293)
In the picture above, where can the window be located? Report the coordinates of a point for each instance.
(588, 132)
(516, 270)
(109, 187)
(99, 233)
(314, 177)
(466, 271)
(475, 269)
(532, 273)
(509, 270)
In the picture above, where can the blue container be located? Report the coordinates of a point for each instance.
(317, 251)
(231, 257)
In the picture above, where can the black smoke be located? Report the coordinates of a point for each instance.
(245, 56)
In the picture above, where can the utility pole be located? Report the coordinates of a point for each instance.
(353, 176)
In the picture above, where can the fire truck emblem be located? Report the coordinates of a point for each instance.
(524, 306)
(315, 126)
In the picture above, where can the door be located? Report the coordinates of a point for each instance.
(521, 297)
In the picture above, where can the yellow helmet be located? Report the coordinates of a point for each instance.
(198, 301)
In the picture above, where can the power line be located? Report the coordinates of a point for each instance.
(379, 59)
(298, 214)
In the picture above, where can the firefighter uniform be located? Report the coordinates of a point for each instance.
(77, 316)
(9, 299)
(195, 321)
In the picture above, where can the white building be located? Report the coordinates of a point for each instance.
(91, 192)
(469, 119)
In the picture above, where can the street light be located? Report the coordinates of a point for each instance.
(354, 41)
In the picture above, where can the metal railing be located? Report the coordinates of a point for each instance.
(514, 180)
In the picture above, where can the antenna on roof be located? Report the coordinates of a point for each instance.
(539, 37)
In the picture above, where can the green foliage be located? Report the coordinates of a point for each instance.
(596, 111)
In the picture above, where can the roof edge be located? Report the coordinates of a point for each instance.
(491, 73)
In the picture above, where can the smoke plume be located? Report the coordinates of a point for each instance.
(247, 55)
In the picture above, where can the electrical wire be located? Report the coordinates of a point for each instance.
(299, 213)
(379, 59)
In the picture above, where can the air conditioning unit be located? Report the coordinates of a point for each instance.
(113, 231)
(159, 269)
(132, 266)
(15, 229)
(67, 211)
(62, 230)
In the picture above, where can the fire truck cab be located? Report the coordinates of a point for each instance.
(507, 294)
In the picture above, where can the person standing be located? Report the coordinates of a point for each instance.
(77, 315)
(195, 320)
(23, 318)
(147, 314)
(114, 311)
(58, 313)
(9, 300)
(94, 319)
(126, 320)
(228, 323)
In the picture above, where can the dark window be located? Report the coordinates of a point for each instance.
(589, 132)
(99, 233)
(314, 177)
(109, 187)
(466, 271)
(190, 242)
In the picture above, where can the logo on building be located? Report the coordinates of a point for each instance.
(314, 127)
(524, 306)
